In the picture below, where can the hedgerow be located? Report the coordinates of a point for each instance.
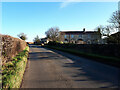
(12, 71)
(10, 47)
(13, 53)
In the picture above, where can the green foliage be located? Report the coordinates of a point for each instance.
(12, 71)
(37, 40)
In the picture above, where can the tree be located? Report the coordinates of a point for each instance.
(104, 30)
(22, 36)
(107, 30)
(115, 20)
(114, 38)
(53, 33)
(37, 40)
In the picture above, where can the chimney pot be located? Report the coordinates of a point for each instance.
(83, 29)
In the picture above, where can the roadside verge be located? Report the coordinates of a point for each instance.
(12, 71)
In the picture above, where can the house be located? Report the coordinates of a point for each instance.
(80, 37)
(44, 40)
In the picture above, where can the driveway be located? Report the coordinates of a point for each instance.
(55, 69)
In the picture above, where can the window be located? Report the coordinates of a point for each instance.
(65, 36)
(88, 35)
(72, 36)
(80, 36)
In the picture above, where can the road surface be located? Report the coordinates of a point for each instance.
(54, 69)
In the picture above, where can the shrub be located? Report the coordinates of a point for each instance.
(11, 46)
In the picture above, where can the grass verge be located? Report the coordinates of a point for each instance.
(100, 58)
(12, 71)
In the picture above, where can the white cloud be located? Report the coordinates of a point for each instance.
(65, 3)
(68, 2)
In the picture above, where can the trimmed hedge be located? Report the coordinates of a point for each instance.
(104, 59)
(10, 47)
(100, 49)
(12, 71)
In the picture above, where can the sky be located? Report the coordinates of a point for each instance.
(35, 18)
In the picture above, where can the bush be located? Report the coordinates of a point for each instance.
(11, 46)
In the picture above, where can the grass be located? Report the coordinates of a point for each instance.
(12, 71)
(100, 58)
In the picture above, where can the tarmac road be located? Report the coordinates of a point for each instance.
(55, 69)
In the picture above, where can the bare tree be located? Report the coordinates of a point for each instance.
(53, 33)
(22, 36)
(105, 30)
(115, 20)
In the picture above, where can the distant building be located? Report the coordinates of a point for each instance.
(44, 40)
(80, 37)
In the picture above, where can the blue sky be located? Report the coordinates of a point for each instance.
(34, 18)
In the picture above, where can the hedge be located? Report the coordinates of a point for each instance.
(12, 71)
(10, 47)
(100, 58)
(100, 49)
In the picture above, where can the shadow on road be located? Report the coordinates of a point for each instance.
(43, 56)
(94, 71)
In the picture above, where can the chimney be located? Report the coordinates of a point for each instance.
(83, 29)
